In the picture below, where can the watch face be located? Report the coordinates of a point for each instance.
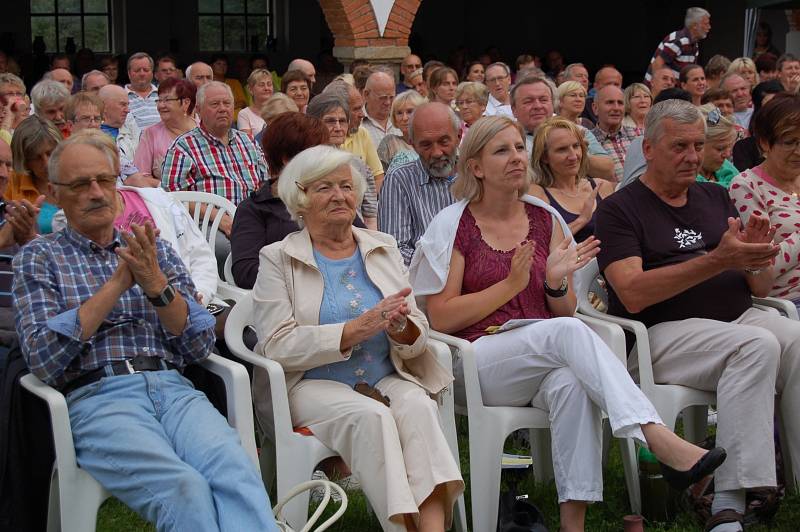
(164, 298)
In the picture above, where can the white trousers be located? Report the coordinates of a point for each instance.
(746, 362)
(399, 453)
(562, 366)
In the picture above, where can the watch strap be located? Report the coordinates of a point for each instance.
(561, 291)
(164, 298)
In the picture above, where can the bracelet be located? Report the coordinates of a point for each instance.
(400, 329)
(561, 291)
(752, 271)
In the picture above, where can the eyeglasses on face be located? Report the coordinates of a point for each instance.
(82, 184)
(165, 100)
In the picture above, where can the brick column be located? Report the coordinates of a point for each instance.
(357, 34)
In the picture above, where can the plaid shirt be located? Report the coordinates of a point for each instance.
(143, 109)
(198, 161)
(56, 273)
(616, 144)
(677, 50)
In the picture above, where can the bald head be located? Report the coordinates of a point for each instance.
(379, 93)
(115, 105)
(306, 67)
(199, 73)
(607, 76)
(62, 75)
(609, 106)
(433, 130)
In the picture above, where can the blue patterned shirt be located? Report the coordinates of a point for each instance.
(348, 294)
(409, 200)
(56, 273)
(143, 109)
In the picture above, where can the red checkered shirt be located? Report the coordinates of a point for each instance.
(616, 144)
(198, 161)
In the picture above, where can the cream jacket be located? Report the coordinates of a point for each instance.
(287, 298)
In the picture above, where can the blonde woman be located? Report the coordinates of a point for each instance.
(721, 135)
(571, 102)
(259, 84)
(277, 104)
(559, 161)
(396, 149)
(745, 67)
(638, 100)
(471, 100)
(499, 254)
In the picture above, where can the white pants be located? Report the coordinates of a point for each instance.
(399, 454)
(562, 366)
(746, 362)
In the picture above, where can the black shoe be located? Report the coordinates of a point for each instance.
(680, 480)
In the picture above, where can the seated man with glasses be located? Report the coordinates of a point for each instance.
(498, 80)
(110, 318)
(678, 258)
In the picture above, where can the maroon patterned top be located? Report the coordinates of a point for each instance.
(485, 266)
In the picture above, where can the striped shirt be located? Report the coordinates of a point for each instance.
(6, 272)
(198, 161)
(143, 109)
(409, 200)
(56, 273)
(616, 144)
(677, 50)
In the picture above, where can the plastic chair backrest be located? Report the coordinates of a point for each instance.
(207, 221)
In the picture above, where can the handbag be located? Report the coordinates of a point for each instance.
(327, 486)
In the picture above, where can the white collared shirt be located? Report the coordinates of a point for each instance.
(495, 108)
(376, 131)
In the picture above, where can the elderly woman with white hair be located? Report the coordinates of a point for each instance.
(333, 306)
(499, 255)
(397, 149)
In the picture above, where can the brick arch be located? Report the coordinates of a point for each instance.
(353, 22)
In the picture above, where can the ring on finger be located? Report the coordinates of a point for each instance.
(384, 315)
(579, 258)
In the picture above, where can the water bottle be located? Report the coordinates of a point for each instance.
(659, 500)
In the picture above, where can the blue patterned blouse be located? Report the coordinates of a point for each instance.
(348, 294)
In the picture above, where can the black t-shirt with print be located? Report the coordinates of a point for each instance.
(635, 222)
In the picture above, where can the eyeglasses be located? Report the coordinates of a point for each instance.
(496, 79)
(89, 119)
(789, 144)
(82, 185)
(165, 100)
(714, 116)
(333, 122)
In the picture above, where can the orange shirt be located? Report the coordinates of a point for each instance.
(20, 187)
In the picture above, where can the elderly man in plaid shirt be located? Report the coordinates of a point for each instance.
(111, 319)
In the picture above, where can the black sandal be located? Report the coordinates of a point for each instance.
(680, 480)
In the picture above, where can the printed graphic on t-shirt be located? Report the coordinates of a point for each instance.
(689, 239)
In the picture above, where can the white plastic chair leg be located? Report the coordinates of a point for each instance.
(631, 466)
(79, 503)
(695, 423)
(484, 460)
(542, 454)
(289, 476)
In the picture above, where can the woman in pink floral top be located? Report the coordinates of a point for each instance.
(773, 187)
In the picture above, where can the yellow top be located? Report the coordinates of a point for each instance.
(360, 144)
(20, 187)
(239, 97)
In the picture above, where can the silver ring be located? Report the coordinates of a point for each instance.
(384, 315)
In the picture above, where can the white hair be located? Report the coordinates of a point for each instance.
(48, 92)
(309, 166)
(680, 111)
(86, 76)
(200, 98)
(695, 15)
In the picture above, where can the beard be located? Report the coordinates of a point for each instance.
(442, 166)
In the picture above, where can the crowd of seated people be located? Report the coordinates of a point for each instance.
(479, 189)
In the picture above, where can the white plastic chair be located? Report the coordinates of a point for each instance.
(209, 225)
(296, 455)
(75, 496)
(489, 426)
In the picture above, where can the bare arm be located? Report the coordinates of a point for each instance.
(602, 167)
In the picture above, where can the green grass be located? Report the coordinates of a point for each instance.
(601, 517)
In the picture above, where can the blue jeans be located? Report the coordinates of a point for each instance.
(159, 446)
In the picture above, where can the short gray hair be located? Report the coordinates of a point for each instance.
(48, 92)
(680, 111)
(501, 65)
(93, 73)
(455, 121)
(309, 166)
(408, 96)
(326, 102)
(695, 15)
(7, 78)
(140, 55)
(200, 98)
(568, 69)
(471, 88)
(532, 79)
(88, 137)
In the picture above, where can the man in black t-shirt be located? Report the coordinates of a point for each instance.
(677, 258)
